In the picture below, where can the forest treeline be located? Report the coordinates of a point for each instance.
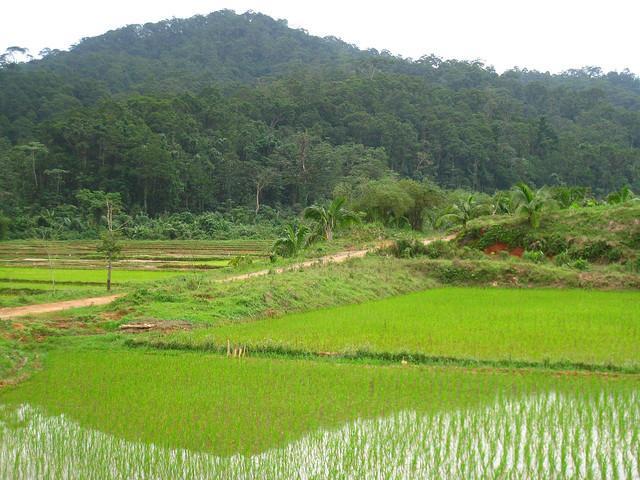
(224, 111)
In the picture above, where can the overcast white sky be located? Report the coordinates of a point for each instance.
(545, 35)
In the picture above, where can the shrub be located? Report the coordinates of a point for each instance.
(439, 249)
(597, 250)
(404, 248)
(632, 265)
(512, 236)
(614, 255)
(454, 273)
(580, 264)
(535, 256)
(535, 244)
(240, 260)
(562, 259)
(593, 250)
(469, 253)
(555, 244)
(365, 232)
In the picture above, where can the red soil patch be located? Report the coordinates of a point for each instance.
(495, 248)
(502, 247)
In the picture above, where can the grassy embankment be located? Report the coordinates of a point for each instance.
(202, 300)
(603, 235)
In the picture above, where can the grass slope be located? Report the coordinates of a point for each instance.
(616, 223)
(202, 300)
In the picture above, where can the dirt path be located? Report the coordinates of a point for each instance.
(335, 258)
(55, 307)
(89, 302)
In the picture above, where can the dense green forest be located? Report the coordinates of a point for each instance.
(223, 111)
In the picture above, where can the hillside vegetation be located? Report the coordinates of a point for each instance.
(600, 234)
(230, 110)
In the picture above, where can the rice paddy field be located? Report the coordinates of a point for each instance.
(40, 272)
(577, 328)
(146, 253)
(456, 383)
(95, 414)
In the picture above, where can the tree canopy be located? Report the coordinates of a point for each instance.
(201, 113)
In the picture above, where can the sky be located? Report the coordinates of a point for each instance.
(546, 35)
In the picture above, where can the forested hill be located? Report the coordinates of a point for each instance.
(181, 54)
(209, 111)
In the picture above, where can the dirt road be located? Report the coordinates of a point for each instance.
(55, 307)
(88, 302)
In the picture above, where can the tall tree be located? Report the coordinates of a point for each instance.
(110, 245)
(33, 149)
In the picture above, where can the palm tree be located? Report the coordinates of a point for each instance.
(621, 196)
(529, 202)
(294, 239)
(500, 204)
(462, 211)
(332, 217)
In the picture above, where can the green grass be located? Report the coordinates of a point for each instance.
(30, 285)
(15, 294)
(203, 299)
(18, 294)
(545, 326)
(11, 359)
(225, 406)
(135, 254)
(35, 288)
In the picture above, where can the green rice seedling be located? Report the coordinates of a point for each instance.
(225, 406)
(565, 329)
(487, 441)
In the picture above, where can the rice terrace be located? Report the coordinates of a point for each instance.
(230, 249)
